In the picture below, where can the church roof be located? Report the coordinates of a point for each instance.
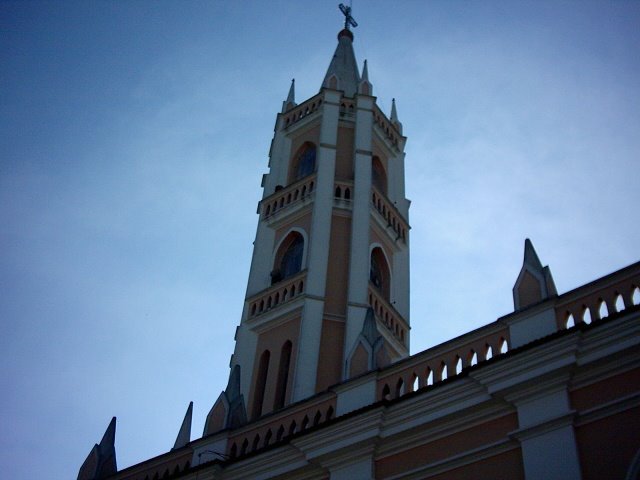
(343, 66)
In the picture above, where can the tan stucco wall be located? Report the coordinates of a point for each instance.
(448, 446)
(338, 269)
(606, 447)
(344, 154)
(330, 364)
(273, 340)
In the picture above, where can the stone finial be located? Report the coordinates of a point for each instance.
(535, 282)
(184, 435)
(101, 461)
(290, 102)
(365, 86)
(394, 116)
(237, 415)
(229, 410)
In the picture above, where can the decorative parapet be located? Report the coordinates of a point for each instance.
(390, 214)
(384, 125)
(442, 361)
(302, 111)
(388, 316)
(278, 294)
(599, 299)
(167, 465)
(343, 194)
(285, 198)
(620, 292)
(281, 425)
(347, 109)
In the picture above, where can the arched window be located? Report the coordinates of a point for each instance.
(379, 272)
(260, 385)
(378, 175)
(305, 162)
(289, 258)
(283, 375)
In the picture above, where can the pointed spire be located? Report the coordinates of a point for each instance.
(342, 73)
(531, 257)
(291, 98)
(184, 435)
(290, 102)
(101, 461)
(109, 438)
(394, 116)
(237, 415)
(535, 282)
(233, 385)
(229, 410)
(365, 86)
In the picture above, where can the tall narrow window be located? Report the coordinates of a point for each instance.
(379, 272)
(283, 375)
(260, 385)
(289, 258)
(305, 162)
(378, 175)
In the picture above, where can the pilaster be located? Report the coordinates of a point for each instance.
(546, 435)
(359, 255)
(318, 256)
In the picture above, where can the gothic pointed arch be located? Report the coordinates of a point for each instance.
(379, 272)
(303, 162)
(260, 384)
(283, 375)
(378, 175)
(289, 257)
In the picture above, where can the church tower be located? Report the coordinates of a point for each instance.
(328, 291)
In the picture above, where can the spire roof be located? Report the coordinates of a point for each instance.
(343, 66)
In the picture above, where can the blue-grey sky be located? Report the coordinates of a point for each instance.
(133, 137)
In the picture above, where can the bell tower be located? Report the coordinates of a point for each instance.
(328, 291)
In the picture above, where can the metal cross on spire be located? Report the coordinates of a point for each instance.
(348, 19)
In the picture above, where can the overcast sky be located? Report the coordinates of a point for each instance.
(133, 137)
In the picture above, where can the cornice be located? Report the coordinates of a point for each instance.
(342, 436)
(544, 427)
(435, 429)
(468, 457)
(608, 409)
(433, 404)
(529, 365)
